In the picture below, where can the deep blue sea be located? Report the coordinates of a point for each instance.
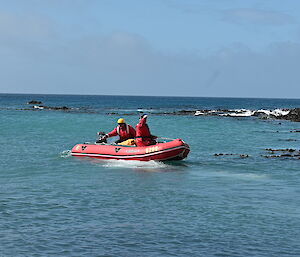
(53, 204)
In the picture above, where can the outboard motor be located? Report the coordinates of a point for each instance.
(101, 139)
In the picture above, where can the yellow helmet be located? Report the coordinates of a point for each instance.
(121, 120)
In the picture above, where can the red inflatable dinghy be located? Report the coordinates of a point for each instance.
(176, 149)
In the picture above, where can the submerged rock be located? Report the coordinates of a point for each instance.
(41, 107)
(290, 153)
(281, 150)
(64, 108)
(295, 131)
(185, 112)
(121, 114)
(244, 155)
(294, 156)
(232, 154)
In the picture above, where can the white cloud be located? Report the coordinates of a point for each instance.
(25, 28)
(125, 63)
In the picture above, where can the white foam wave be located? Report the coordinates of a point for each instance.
(144, 110)
(38, 107)
(238, 110)
(135, 110)
(197, 113)
(247, 176)
(244, 112)
(276, 112)
(65, 154)
(241, 113)
(149, 165)
(251, 176)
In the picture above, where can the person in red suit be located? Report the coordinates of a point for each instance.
(124, 131)
(143, 135)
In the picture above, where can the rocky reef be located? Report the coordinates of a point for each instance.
(283, 114)
(280, 114)
(282, 153)
(287, 153)
(38, 105)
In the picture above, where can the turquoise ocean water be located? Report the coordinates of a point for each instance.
(52, 204)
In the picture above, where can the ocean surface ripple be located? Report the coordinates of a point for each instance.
(229, 198)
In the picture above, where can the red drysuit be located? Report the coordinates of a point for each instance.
(143, 135)
(125, 132)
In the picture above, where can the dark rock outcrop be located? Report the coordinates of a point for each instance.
(285, 153)
(185, 112)
(281, 114)
(34, 102)
(38, 105)
(293, 115)
(64, 108)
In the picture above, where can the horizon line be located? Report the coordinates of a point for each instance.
(60, 94)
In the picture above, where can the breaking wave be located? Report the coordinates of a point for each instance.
(244, 112)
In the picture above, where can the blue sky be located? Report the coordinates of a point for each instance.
(223, 48)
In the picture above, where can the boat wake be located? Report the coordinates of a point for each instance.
(243, 176)
(149, 165)
(65, 154)
(153, 166)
